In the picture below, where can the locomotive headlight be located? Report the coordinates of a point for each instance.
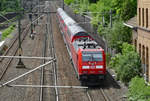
(85, 67)
(99, 67)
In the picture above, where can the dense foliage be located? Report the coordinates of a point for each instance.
(138, 90)
(68, 2)
(125, 8)
(127, 64)
(116, 35)
(9, 5)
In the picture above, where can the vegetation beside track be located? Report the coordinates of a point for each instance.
(8, 31)
(127, 64)
(9, 6)
(138, 90)
(5, 7)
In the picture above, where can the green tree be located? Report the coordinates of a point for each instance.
(83, 7)
(8, 5)
(128, 64)
(117, 35)
(138, 90)
(126, 9)
(68, 2)
(101, 8)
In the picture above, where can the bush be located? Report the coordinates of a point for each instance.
(117, 35)
(138, 90)
(68, 2)
(114, 62)
(127, 65)
(9, 5)
(6, 32)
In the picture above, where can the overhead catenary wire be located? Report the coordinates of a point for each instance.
(48, 86)
(5, 17)
(26, 73)
(27, 57)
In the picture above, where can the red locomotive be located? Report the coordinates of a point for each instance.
(88, 58)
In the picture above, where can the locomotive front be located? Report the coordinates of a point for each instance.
(92, 67)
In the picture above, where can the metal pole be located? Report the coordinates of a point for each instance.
(20, 63)
(31, 25)
(19, 26)
(49, 86)
(31, 35)
(31, 19)
(5, 17)
(38, 10)
(63, 5)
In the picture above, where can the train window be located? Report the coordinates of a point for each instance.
(92, 56)
(81, 34)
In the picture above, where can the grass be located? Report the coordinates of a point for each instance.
(8, 31)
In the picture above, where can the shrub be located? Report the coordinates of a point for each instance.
(138, 90)
(127, 65)
(7, 31)
(68, 2)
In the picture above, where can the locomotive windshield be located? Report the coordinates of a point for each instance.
(91, 56)
(81, 34)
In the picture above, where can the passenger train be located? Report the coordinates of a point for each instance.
(87, 56)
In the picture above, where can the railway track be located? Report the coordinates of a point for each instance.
(12, 50)
(42, 69)
(13, 47)
(35, 47)
(104, 95)
(26, 25)
(53, 54)
(97, 94)
(93, 97)
(31, 48)
(49, 45)
(66, 72)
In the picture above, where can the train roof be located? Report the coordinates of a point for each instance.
(74, 28)
(62, 13)
(85, 43)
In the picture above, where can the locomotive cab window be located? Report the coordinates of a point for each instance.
(91, 56)
(81, 34)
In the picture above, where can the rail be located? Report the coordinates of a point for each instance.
(104, 95)
(5, 66)
(42, 69)
(53, 55)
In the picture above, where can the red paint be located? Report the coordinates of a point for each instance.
(77, 55)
